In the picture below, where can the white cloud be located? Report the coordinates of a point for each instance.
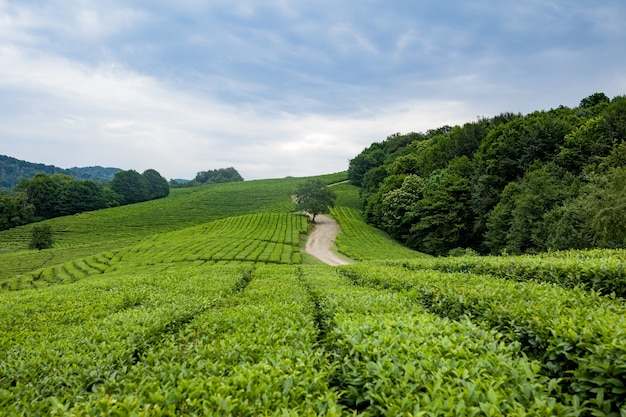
(111, 115)
(274, 89)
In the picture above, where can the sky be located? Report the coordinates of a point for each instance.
(278, 88)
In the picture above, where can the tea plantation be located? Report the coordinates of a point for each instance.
(202, 303)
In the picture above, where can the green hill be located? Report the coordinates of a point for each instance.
(12, 170)
(202, 303)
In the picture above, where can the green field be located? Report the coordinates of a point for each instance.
(202, 303)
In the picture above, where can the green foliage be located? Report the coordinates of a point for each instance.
(261, 238)
(41, 237)
(509, 183)
(360, 241)
(218, 175)
(393, 358)
(605, 208)
(602, 271)
(13, 170)
(346, 195)
(158, 186)
(131, 186)
(518, 223)
(442, 216)
(578, 337)
(49, 196)
(594, 100)
(191, 305)
(314, 197)
(15, 210)
(365, 161)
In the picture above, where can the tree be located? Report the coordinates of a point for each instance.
(441, 220)
(80, 196)
(41, 237)
(157, 185)
(45, 193)
(215, 176)
(594, 99)
(314, 197)
(397, 203)
(131, 186)
(15, 210)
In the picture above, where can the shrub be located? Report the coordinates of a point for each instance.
(41, 237)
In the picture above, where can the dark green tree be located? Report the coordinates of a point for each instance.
(517, 222)
(131, 186)
(566, 227)
(157, 185)
(604, 201)
(80, 196)
(397, 204)
(41, 237)
(15, 210)
(45, 193)
(594, 100)
(373, 199)
(442, 218)
(215, 176)
(314, 197)
(370, 158)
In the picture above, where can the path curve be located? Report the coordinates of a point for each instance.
(321, 241)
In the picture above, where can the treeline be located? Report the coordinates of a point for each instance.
(550, 180)
(47, 196)
(212, 176)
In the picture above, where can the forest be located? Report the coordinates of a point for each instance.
(48, 196)
(509, 184)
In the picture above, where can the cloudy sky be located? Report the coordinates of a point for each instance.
(283, 87)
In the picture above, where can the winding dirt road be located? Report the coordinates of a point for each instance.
(321, 241)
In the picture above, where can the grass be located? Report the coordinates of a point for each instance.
(361, 241)
(90, 233)
(203, 303)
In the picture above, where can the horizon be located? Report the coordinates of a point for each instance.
(280, 89)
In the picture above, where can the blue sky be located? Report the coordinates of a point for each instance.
(277, 87)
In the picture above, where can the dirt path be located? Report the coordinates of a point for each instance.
(321, 241)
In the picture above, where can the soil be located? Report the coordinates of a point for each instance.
(321, 241)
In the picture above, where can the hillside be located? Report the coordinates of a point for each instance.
(203, 303)
(12, 170)
(511, 183)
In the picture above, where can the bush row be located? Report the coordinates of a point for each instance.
(578, 336)
(394, 358)
(56, 359)
(601, 271)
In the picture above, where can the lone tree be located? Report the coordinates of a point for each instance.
(41, 237)
(314, 197)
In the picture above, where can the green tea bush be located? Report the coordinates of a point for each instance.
(578, 336)
(393, 358)
(598, 270)
(361, 241)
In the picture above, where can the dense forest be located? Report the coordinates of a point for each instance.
(12, 170)
(47, 196)
(513, 183)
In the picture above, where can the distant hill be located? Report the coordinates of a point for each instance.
(12, 170)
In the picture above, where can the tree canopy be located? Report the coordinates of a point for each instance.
(47, 196)
(314, 197)
(41, 237)
(513, 183)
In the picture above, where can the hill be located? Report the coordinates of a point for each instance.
(512, 183)
(115, 228)
(12, 170)
(202, 303)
